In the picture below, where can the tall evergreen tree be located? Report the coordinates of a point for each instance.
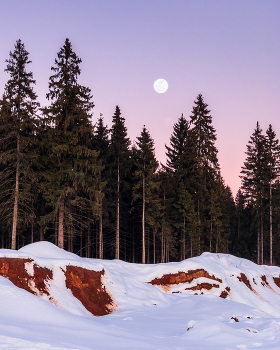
(203, 137)
(18, 137)
(273, 153)
(180, 165)
(120, 154)
(254, 178)
(72, 171)
(101, 144)
(146, 167)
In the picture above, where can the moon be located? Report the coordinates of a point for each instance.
(160, 86)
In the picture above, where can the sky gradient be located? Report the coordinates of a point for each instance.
(229, 51)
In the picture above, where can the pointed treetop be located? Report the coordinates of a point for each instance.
(177, 143)
(18, 87)
(119, 140)
(204, 133)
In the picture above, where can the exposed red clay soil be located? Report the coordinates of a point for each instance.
(167, 281)
(86, 286)
(14, 269)
(183, 277)
(243, 278)
(207, 286)
(264, 281)
(266, 284)
(225, 293)
(277, 281)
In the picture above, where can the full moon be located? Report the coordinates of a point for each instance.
(160, 85)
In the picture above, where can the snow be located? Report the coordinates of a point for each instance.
(48, 250)
(146, 316)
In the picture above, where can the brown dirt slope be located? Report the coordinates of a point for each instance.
(183, 277)
(85, 285)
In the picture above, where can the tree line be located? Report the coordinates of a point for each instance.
(90, 190)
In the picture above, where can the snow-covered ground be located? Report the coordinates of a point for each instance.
(146, 315)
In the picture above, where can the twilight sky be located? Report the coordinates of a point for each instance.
(229, 51)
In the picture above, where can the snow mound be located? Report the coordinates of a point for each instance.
(102, 287)
(214, 301)
(48, 250)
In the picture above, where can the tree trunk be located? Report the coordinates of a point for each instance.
(117, 251)
(261, 233)
(15, 214)
(143, 224)
(217, 241)
(32, 231)
(69, 240)
(258, 247)
(191, 245)
(55, 231)
(96, 240)
(100, 235)
(61, 223)
(88, 240)
(184, 239)
(167, 251)
(41, 233)
(154, 245)
(211, 233)
(148, 246)
(198, 217)
(81, 241)
(261, 239)
(162, 245)
(270, 223)
(133, 243)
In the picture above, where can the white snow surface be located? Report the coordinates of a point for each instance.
(147, 317)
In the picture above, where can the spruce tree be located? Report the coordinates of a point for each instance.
(101, 144)
(273, 153)
(18, 139)
(119, 160)
(146, 165)
(72, 173)
(180, 166)
(254, 178)
(205, 162)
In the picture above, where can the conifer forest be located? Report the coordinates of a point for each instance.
(90, 190)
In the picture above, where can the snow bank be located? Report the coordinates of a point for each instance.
(214, 301)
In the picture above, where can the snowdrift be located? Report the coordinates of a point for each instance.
(97, 287)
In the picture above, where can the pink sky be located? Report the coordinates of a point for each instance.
(226, 50)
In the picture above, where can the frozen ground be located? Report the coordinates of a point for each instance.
(147, 317)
